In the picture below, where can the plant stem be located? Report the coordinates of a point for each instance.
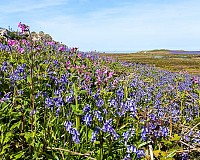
(77, 107)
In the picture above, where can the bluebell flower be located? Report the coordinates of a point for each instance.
(57, 111)
(20, 68)
(86, 108)
(32, 112)
(113, 103)
(64, 78)
(69, 99)
(99, 103)
(6, 97)
(120, 93)
(56, 63)
(127, 157)
(75, 135)
(68, 125)
(126, 136)
(164, 131)
(144, 133)
(73, 131)
(140, 153)
(38, 94)
(105, 111)
(58, 101)
(185, 156)
(49, 102)
(94, 134)
(4, 66)
(57, 92)
(107, 127)
(88, 119)
(96, 96)
(20, 92)
(131, 149)
(97, 114)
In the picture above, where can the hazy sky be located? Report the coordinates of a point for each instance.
(110, 25)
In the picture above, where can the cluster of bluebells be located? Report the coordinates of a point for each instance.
(107, 127)
(87, 118)
(18, 74)
(132, 149)
(73, 131)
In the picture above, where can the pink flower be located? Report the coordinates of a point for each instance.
(79, 55)
(51, 43)
(110, 74)
(23, 27)
(61, 48)
(21, 50)
(11, 42)
(24, 41)
(195, 80)
(68, 65)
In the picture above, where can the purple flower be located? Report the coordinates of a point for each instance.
(100, 103)
(61, 48)
(120, 93)
(57, 111)
(6, 97)
(23, 27)
(126, 135)
(131, 149)
(88, 119)
(94, 134)
(107, 127)
(49, 102)
(140, 153)
(113, 103)
(32, 112)
(86, 108)
(127, 157)
(97, 114)
(73, 131)
(57, 92)
(68, 125)
(69, 99)
(58, 101)
(144, 133)
(4, 66)
(185, 156)
(105, 111)
(75, 135)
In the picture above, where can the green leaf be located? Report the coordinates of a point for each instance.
(167, 142)
(156, 153)
(4, 149)
(27, 136)
(164, 154)
(19, 155)
(172, 153)
(143, 144)
(7, 137)
(29, 79)
(83, 91)
(15, 125)
(176, 137)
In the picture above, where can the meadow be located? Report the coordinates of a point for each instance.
(175, 61)
(57, 102)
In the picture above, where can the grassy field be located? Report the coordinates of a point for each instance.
(163, 59)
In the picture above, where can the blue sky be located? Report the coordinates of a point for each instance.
(110, 25)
